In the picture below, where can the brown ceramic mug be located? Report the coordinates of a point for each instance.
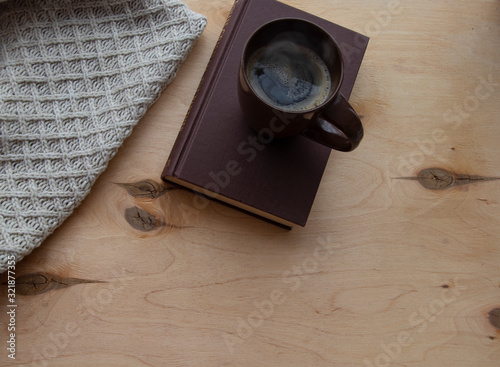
(290, 76)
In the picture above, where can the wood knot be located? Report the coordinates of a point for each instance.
(149, 189)
(142, 220)
(437, 178)
(38, 283)
(494, 318)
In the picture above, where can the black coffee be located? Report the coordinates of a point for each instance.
(289, 76)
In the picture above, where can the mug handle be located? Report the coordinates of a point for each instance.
(338, 126)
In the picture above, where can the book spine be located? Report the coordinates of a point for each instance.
(202, 94)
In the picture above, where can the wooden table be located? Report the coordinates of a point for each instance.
(399, 264)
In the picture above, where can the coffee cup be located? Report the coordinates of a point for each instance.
(290, 76)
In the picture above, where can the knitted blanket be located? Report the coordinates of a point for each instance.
(75, 77)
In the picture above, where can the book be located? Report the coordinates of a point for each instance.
(217, 155)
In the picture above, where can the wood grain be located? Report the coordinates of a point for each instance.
(387, 272)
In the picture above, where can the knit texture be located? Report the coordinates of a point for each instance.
(75, 77)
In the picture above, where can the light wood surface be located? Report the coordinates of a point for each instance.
(399, 264)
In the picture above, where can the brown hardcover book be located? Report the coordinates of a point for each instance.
(217, 154)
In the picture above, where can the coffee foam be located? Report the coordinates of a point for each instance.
(289, 76)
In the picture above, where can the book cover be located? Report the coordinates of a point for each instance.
(218, 155)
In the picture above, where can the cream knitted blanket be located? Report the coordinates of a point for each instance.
(75, 77)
